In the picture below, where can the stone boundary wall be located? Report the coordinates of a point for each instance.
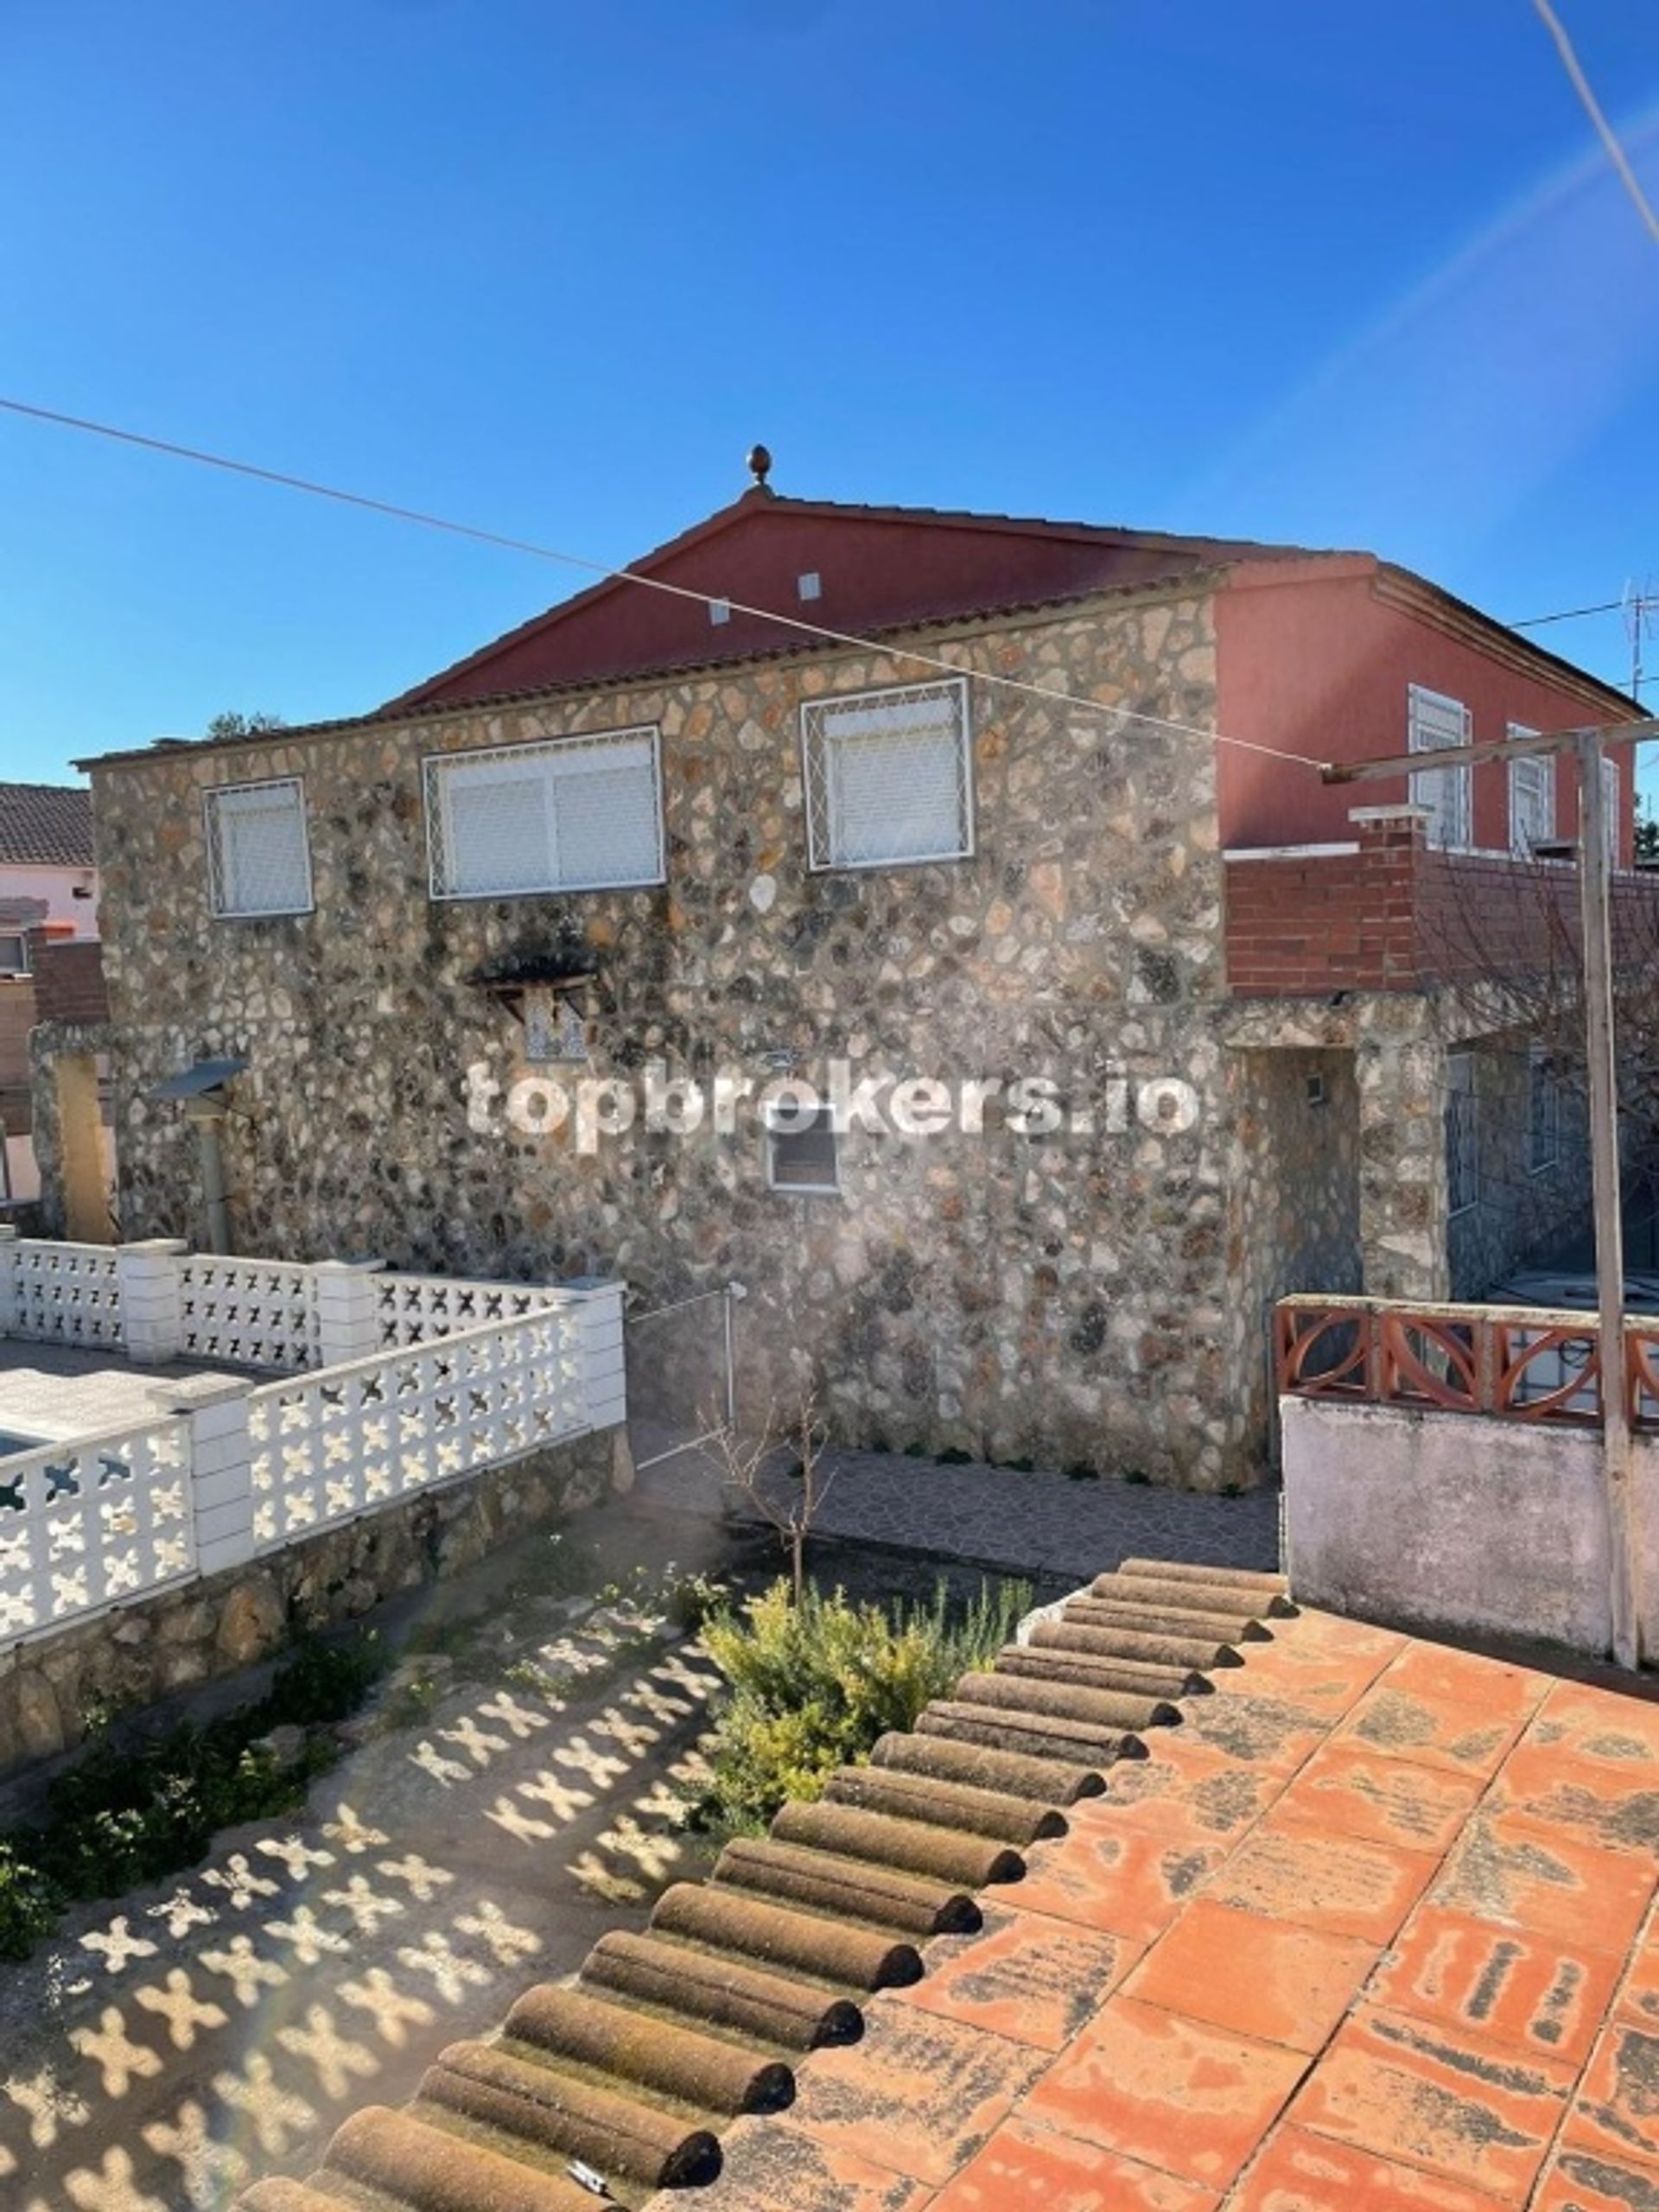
(1460, 1522)
(135, 1655)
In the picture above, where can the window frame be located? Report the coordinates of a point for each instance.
(440, 840)
(1543, 765)
(1542, 1084)
(1613, 800)
(1471, 1091)
(218, 879)
(812, 714)
(770, 1116)
(25, 969)
(1463, 779)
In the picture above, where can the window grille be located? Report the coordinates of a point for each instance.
(575, 814)
(1462, 1134)
(1532, 800)
(889, 776)
(1434, 723)
(1544, 1113)
(258, 861)
(803, 1152)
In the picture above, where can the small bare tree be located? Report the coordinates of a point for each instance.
(778, 1469)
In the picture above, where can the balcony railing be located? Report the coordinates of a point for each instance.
(1519, 1362)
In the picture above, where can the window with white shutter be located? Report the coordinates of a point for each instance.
(258, 862)
(575, 814)
(1532, 799)
(1610, 804)
(888, 776)
(1434, 723)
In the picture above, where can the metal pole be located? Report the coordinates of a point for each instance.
(1595, 878)
(208, 1115)
(733, 1293)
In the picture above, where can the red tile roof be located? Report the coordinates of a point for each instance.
(46, 825)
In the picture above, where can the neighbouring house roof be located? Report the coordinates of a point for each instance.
(46, 825)
(1190, 1903)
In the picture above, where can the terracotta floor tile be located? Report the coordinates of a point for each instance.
(1599, 1801)
(1108, 1874)
(1468, 1739)
(1299, 2172)
(1262, 1977)
(917, 2095)
(1610, 1725)
(1189, 2100)
(1023, 1975)
(1525, 1876)
(1027, 2169)
(1310, 1673)
(1504, 1985)
(1412, 2091)
(1590, 2181)
(1185, 1791)
(768, 2166)
(1616, 2109)
(1638, 2000)
(1336, 1636)
(1340, 1883)
(1356, 1791)
(1260, 1728)
(1443, 1677)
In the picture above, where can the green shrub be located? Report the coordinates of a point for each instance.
(28, 1904)
(129, 1813)
(812, 1687)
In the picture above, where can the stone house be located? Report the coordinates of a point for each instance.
(982, 839)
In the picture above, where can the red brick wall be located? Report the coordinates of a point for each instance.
(68, 979)
(1317, 923)
(1396, 916)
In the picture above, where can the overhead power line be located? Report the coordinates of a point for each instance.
(1592, 108)
(1570, 614)
(600, 568)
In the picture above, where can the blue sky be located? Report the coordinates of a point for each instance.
(1268, 267)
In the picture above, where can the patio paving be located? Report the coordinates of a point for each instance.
(49, 1392)
(1050, 1526)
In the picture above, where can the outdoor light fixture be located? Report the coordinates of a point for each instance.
(549, 997)
(200, 1089)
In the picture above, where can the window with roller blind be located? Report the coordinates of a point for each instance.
(574, 814)
(258, 861)
(888, 776)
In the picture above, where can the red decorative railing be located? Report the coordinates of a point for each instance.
(1519, 1362)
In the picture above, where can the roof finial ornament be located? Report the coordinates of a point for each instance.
(761, 467)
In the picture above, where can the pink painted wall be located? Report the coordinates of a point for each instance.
(57, 887)
(1321, 668)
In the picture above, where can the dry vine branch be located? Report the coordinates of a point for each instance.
(750, 1464)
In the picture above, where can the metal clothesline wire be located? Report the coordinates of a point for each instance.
(600, 568)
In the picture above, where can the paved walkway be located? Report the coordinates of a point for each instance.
(175, 2043)
(1046, 1525)
(50, 1392)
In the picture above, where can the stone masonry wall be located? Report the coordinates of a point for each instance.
(143, 1652)
(1064, 1298)
(1295, 1190)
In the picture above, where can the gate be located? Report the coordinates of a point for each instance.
(681, 1376)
